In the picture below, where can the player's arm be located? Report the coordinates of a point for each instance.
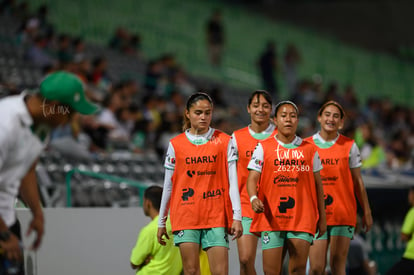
(9, 242)
(236, 227)
(29, 194)
(407, 228)
(321, 204)
(317, 167)
(166, 195)
(146, 261)
(359, 187)
(406, 237)
(3, 157)
(141, 253)
(232, 157)
(362, 196)
(255, 169)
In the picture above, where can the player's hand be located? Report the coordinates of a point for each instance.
(236, 229)
(257, 206)
(321, 226)
(37, 224)
(11, 248)
(162, 232)
(367, 221)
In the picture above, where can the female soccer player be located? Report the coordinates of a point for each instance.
(341, 178)
(244, 141)
(200, 181)
(286, 192)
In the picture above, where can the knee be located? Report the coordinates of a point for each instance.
(317, 269)
(219, 270)
(246, 260)
(298, 269)
(190, 270)
(338, 264)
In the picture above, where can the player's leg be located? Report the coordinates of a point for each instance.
(190, 258)
(218, 258)
(273, 252)
(216, 243)
(247, 245)
(298, 244)
(189, 243)
(317, 255)
(339, 246)
(338, 254)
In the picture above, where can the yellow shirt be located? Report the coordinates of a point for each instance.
(408, 228)
(164, 259)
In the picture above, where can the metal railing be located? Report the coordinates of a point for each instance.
(141, 186)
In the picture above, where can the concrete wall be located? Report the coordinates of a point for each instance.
(92, 241)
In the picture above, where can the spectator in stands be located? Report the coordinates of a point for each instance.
(140, 136)
(371, 110)
(97, 132)
(372, 151)
(119, 40)
(170, 130)
(399, 151)
(60, 95)
(78, 48)
(28, 32)
(222, 109)
(182, 83)
(259, 107)
(82, 67)
(108, 117)
(350, 103)
(148, 256)
(292, 60)
(42, 14)
(154, 76)
(215, 38)
(307, 97)
(332, 92)
(131, 89)
(174, 106)
(71, 141)
(200, 204)
(133, 47)
(268, 67)
(64, 51)
(99, 75)
(342, 182)
(151, 112)
(37, 53)
(406, 264)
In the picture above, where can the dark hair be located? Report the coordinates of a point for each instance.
(334, 103)
(190, 101)
(154, 194)
(283, 103)
(257, 93)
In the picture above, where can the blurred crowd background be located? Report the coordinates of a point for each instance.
(142, 81)
(140, 60)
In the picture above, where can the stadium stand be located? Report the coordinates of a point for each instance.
(111, 170)
(175, 26)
